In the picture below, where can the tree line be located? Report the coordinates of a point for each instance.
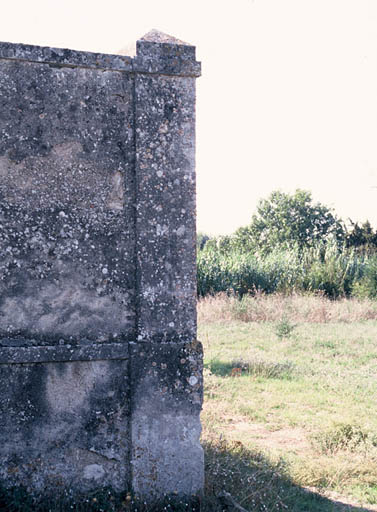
(286, 221)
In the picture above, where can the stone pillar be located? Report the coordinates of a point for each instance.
(100, 371)
(166, 360)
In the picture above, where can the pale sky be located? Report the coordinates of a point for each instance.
(287, 98)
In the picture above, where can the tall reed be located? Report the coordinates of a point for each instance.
(326, 268)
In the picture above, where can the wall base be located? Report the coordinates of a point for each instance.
(78, 426)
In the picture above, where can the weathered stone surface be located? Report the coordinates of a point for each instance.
(64, 426)
(166, 383)
(66, 202)
(99, 369)
(165, 179)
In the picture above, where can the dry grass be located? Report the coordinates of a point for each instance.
(295, 307)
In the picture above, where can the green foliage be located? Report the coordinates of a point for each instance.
(366, 286)
(290, 245)
(231, 272)
(362, 237)
(284, 328)
(284, 220)
(332, 270)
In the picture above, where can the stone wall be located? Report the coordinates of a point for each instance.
(100, 370)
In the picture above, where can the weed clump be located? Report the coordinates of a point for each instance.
(284, 328)
(343, 436)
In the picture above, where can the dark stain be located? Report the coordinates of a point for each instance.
(169, 111)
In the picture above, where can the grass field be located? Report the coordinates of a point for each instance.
(290, 401)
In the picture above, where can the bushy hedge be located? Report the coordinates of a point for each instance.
(325, 268)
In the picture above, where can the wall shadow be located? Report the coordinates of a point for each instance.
(257, 484)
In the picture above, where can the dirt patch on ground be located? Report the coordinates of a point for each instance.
(293, 440)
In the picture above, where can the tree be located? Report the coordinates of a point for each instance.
(284, 220)
(201, 240)
(362, 237)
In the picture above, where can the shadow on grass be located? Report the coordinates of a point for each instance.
(255, 367)
(253, 482)
(257, 484)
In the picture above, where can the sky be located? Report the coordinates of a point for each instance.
(287, 97)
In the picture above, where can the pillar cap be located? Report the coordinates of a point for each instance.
(156, 36)
(157, 52)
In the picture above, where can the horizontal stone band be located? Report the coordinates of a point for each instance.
(62, 353)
